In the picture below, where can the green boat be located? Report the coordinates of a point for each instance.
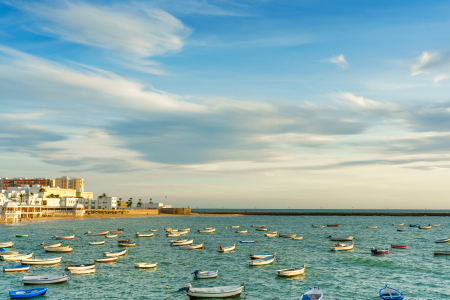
(21, 235)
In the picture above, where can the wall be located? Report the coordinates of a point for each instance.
(177, 211)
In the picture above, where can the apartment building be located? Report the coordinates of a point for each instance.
(5, 183)
(70, 183)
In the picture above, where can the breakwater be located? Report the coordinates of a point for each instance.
(344, 213)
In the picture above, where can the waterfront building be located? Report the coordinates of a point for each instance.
(103, 203)
(5, 183)
(70, 183)
(155, 205)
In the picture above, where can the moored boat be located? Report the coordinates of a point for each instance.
(212, 230)
(399, 246)
(313, 294)
(436, 225)
(248, 242)
(97, 243)
(69, 237)
(6, 244)
(21, 235)
(424, 227)
(298, 238)
(220, 292)
(413, 225)
(143, 234)
(167, 229)
(111, 236)
(270, 234)
(226, 249)
(388, 293)
(79, 267)
(16, 257)
(41, 261)
(185, 243)
(261, 229)
(178, 241)
(65, 249)
(372, 227)
(82, 272)
(342, 239)
(287, 235)
(291, 272)
(6, 251)
(154, 230)
(123, 241)
(318, 226)
(443, 240)
(116, 231)
(262, 261)
(400, 230)
(106, 260)
(234, 226)
(16, 268)
(29, 293)
(183, 232)
(205, 274)
(342, 247)
(45, 279)
(186, 229)
(51, 245)
(399, 224)
(208, 228)
(258, 226)
(333, 225)
(97, 233)
(193, 247)
(441, 252)
(145, 265)
(119, 252)
(259, 256)
(172, 235)
(241, 231)
(379, 251)
(127, 244)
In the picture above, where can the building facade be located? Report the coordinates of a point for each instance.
(70, 183)
(5, 183)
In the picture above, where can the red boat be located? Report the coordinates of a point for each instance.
(116, 231)
(398, 246)
(337, 225)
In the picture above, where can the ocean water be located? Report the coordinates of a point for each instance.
(347, 275)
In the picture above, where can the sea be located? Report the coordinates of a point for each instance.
(356, 274)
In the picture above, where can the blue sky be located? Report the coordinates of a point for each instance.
(268, 104)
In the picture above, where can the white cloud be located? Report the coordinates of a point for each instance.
(337, 60)
(425, 61)
(440, 77)
(364, 103)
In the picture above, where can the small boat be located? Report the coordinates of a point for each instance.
(335, 225)
(172, 230)
(185, 243)
(205, 274)
(127, 244)
(145, 265)
(314, 293)
(97, 243)
(207, 230)
(123, 241)
(82, 272)
(79, 267)
(154, 230)
(16, 268)
(401, 224)
(399, 246)
(16, 257)
(379, 251)
(106, 260)
(287, 235)
(298, 238)
(258, 226)
(441, 252)
(178, 241)
(436, 225)
(116, 231)
(6, 245)
(241, 231)
(388, 293)
(220, 292)
(291, 272)
(262, 261)
(259, 256)
(6, 251)
(413, 225)
(45, 279)
(143, 234)
(372, 227)
(193, 247)
(226, 249)
(343, 239)
(270, 234)
(167, 229)
(120, 229)
(41, 261)
(318, 226)
(261, 229)
(185, 230)
(172, 235)
(111, 236)
(400, 230)
(443, 241)
(28, 293)
(119, 252)
(65, 249)
(247, 242)
(424, 227)
(234, 226)
(97, 233)
(342, 247)
(21, 235)
(69, 237)
(51, 246)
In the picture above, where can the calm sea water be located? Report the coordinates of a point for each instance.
(347, 275)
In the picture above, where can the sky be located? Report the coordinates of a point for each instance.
(233, 104)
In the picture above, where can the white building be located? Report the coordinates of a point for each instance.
(103, 203)
(155, 205)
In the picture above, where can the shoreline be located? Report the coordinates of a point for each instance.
(346, 214)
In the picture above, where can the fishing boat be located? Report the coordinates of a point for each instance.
(41, 261)
(51, 245)
(372, 227)
(16, 268)
(220, 292)
(119, 252)
(342, 239)
(193, 247)
(123, 241)
(248, 242)
(184, 230)
(97, 233)
(6, 245)
(127, 244)
(21, 235)
(441, 252)
(83, 272)
(185, 243)
(116, 231)
(287, 235)
(399, 246)
(207, 230)
(106, 260)
(270, 234)
(234, 226)
(313, 294)
(259, 256)
(443, 241)
(154, 230)
(45, 279)
(258, 226)
(16, 257)
(241, 231)
(143, 234)
(400, 224)
(388, 293)
(291, 272)
(20, 294)
(145, 265)
(65, 249)
(6, 251)
(111, 236)
(298, 238)
(226, 249)
(172, 235)
(379, 251)
(400, 230)
(424, 227)
(413, 225)
(342, 247)
(335, 225)
(261, 229)
(79, 267)
(69, 237)
(97, 243)
(178, 241)
(262, 261)
(205, 274)
(318, 226)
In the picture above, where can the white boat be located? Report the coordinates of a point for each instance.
(318, 226)
(172, 235)
(111, 236)
(234, 226)
(298, 238)
(6, 245)
(41, 261)
(287, 235)
(5, 251)
(143, 234)
(342, 247)
(185, 243)
(207, 231)
(436, 225)
(401, 224)
(69, 237)
(154, 230)
(184, 230)
(313, 294)
(291, 272)
(119, 252)
(220, 292)
(193, 247)
(261, 229)
(79, 267)
(241, 231)
(258, 226)
(226, 249)
(82, 272)
(443, 241)
(424, 227)
(205, 274)
(259, 256)
(372, 227)
(97, 243)
(51, 246)
(270, 234)
(145, 265)
(45, 279)
(167, 229)
(65, 249)
(106, 260)
(208, 228)
(97, 233)
(16, 257)
(262, 261)
(178, 241)
(342, 239)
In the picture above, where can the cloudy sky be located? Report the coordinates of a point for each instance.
(235, 104)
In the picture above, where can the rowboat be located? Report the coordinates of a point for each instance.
(6, 251)
(401, 224)
(262, 261)
(50, 246)
(248, 242)
(234, 226)
(443, 241)
(400, 230)
(261, 229)
(97, 233)
(388, 293)
(335, 225)
(143, 234)
(167, 229)
(208, 228)
(436, 225)
(119, 252)
(28, 293)
(16, 257)
(21, 235)
(226, 249)
(172, 235)
(123, 241)
(220, 292)
(318, 226)
(344, 239)
(207, 231)
(116, 231)
(145, 265)
(106, 260)
(45, 279)
(193, 247)
(127, 244)
(379, 251)
(291, 272)
(424, 227)
(270, 234)
(16, 268)
(111, 236)
(183, 232)
(185, 243)
(258, 226)
(6, 245)
(413, 225)
(186, 229)
(241, 231)
(69, 237)
(79, 267)
(399, 246)
(287, 235)
(97, 243)
(259, 256)
(41, 261)
(313, 294)
(172, 230)
(154, 230)
(178, 241)
(205, 274)
(298, 238)
(82, 272)
(342, 247)
(372, 227)
(65, 249)
(441, 252)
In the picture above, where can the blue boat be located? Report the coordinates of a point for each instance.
(16, 268)
(380, 251)
(400, 230)
(205, 274)
(246, 242)
(413, 225)
(27, 293)
(388, 293)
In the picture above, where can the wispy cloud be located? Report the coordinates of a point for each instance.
(437, 64)
(340, 61)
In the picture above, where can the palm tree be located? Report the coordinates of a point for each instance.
(139, 204)
(42, 191)
(104, 196)
(21, 196)
(120, 203)
(151, 200)
(130, 202)
(32, 194)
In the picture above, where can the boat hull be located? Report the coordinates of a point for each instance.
(44, 279)
(41, 261)
(82, 272)
(399, 246)
(21, 294)
(335, 225)
(196, 294)
(79, 267)
(71, 237)
(290, 272)
(16, 269)
(106, 260)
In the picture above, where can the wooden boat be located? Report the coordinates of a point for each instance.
(261, 229)
(65, 249)
(41, 261)
(248, 242)
(6, 245)
(145, 265)
(262, 261)
(318, 226)
(79, 267)
(82, 272)
(50, 246)
(342, 239)
(443, 241)
(399, 246)
(16, 268)
(220, 292)
(335, 225)
(413, 225)
(111, 236)
(388, 293)
(379, 251)
(178, 241)
(313, 294)
(424, 227)
(69, 237)
(342, 247)
(400, 224)
(143, 234)
(291, 272)
(298, 238)
(20, 294)
(97, 233)
(97, 243)
(185, 243)
(270, 234)
(116, 231)
(106, 260)
(119, 252)
(258, 226)
(259, 256)
(154, 230)
(226, 249)
(287, 235)
(45, 279)
(207, 231)
(372, 227)
(127, 244)
(172, 235)
(185, 230)
(234, 226)
(123, 241)
(16, 257)
(21, 235)
(205, 274)
(241, 231)
(193, 247)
